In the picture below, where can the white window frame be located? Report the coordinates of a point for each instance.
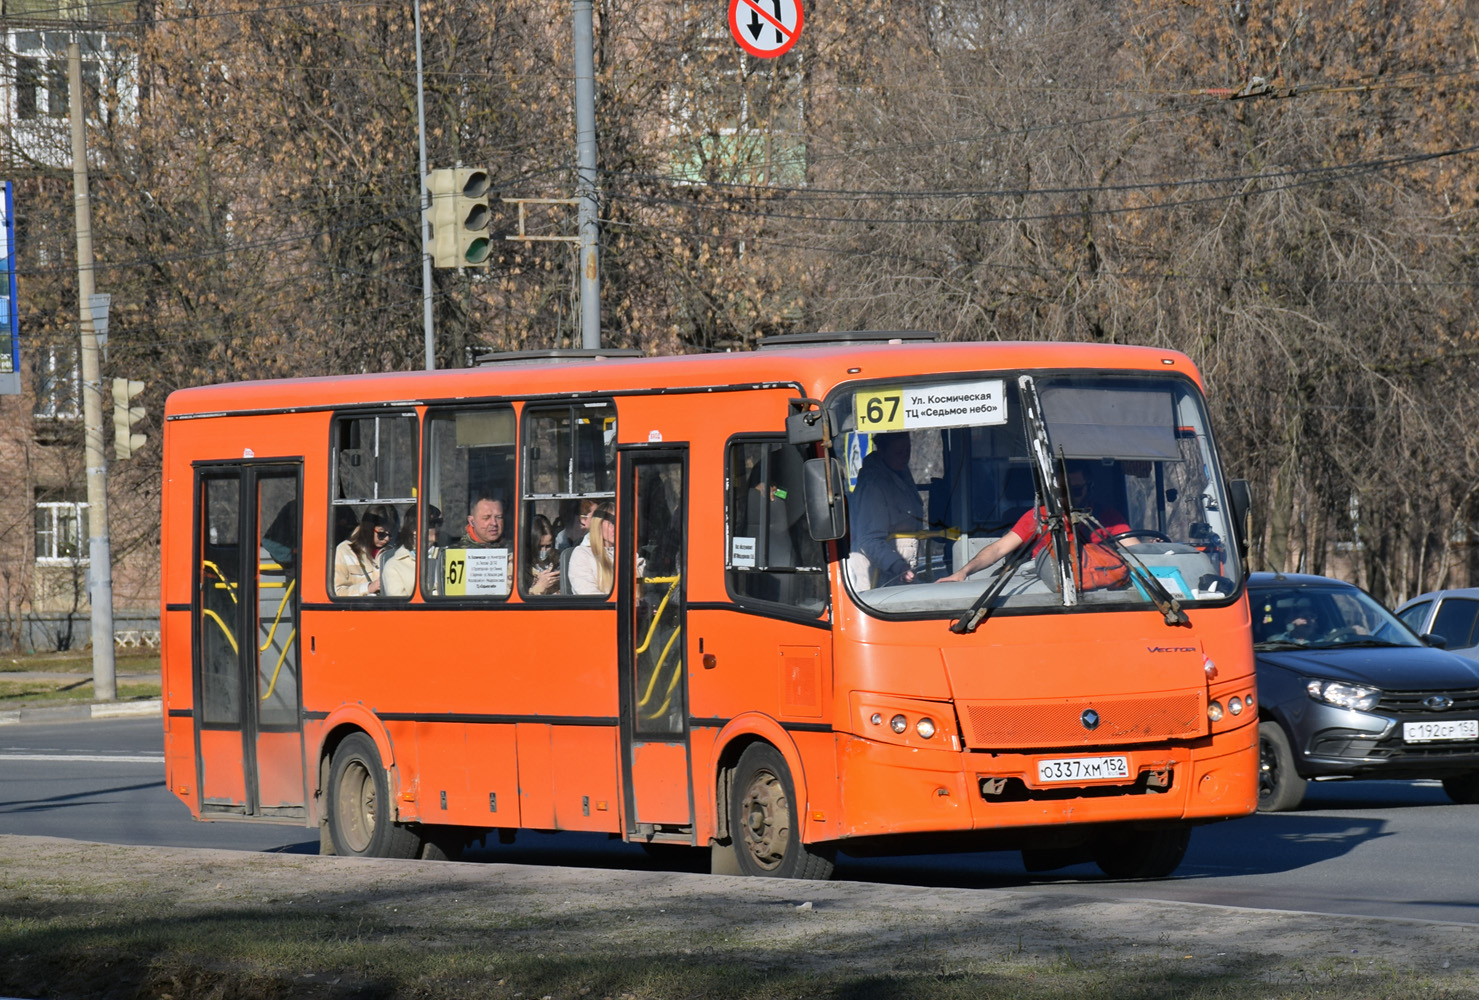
(52, 364)
(59, 513)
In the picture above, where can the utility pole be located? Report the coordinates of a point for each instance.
(585, 188)
(428, 320)
(100, 560)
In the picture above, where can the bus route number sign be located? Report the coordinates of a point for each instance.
(953, 404)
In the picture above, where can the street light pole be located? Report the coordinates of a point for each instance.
(585, 188)
(428, 320)
(99, 553)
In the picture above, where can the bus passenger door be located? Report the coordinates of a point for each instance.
(651, 613)
(249, 732)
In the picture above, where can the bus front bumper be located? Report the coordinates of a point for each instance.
(890, 790)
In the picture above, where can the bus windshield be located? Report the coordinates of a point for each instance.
(1044, 490)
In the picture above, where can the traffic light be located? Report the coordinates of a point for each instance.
(126, 440)
(459, 217)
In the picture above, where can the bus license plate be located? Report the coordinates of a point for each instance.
(1083, 769)
(1448, 729)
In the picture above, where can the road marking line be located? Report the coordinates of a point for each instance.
(94, 758)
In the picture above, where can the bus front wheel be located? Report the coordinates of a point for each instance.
(1153, 853)
(764, 822)
(360, 822)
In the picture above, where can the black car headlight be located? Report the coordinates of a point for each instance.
(1343, 694)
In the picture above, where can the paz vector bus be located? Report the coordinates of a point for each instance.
(855, 591)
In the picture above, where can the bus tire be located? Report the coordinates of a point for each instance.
(1280, 788)
(1152, 853)
(764, 822)
(360, 823)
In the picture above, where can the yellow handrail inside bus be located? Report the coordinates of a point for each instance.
(224, 583)
(278, 617)
(282, 657)
(662, 709)
(672, 582)
(657, 670)
(208, 613)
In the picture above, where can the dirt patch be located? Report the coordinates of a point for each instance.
(90, 920)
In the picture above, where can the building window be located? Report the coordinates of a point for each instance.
(27, 83)
(61, 531)
(736, 118)
(58, 383)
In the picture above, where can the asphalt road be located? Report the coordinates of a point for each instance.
(1383, 848)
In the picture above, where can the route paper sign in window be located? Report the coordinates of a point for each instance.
(949, 404)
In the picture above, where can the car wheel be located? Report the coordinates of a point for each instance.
(360, 824)
(1280, 788)
(764, 822)
(1153, 853)
(1463, 788)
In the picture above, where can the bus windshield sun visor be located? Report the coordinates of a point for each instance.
(1126, 424)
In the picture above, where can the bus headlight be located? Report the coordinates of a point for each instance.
(925, 727)
(1214, 711)
(1235, 705)
(898, 723)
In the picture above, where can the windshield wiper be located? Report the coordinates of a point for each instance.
(977, 612)
(1168, 606)
(1272, 644)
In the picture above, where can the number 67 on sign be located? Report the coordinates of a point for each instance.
(880, 410)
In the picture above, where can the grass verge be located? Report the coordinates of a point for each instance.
(99, 921)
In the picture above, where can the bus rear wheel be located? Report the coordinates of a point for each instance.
(360, 823)
(1153, 853)
(764, 823)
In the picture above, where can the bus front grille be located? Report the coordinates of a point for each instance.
(1083, 721)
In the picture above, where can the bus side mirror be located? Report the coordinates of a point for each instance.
(1240, 498)
(826, 506)
(806, 425)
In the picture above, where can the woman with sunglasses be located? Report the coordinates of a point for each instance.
(357, 558)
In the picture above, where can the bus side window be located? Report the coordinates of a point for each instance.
(469, 481)
(374, 487)
(569, 468)
(771, 555)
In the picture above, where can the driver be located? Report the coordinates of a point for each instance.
(1032, 526)
(1302, 625)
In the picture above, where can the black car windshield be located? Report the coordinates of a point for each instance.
(1322, 618)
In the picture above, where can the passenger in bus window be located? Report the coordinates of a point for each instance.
(431, 581)
(485, 525)
(885, 506)
(1031, 527)
(592, 564)
(398, 566)
(575, 521)
(544, 562)
(357, 558)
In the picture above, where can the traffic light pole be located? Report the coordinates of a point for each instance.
(100, 560)
(585, 189)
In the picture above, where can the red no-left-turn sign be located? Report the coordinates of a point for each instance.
(765, 28)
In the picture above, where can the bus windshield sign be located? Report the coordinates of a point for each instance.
(951, 404)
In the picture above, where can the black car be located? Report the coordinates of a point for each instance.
(1347, 690)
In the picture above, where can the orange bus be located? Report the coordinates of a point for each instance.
(852, 590)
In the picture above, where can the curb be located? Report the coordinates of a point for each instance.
(101, 710)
